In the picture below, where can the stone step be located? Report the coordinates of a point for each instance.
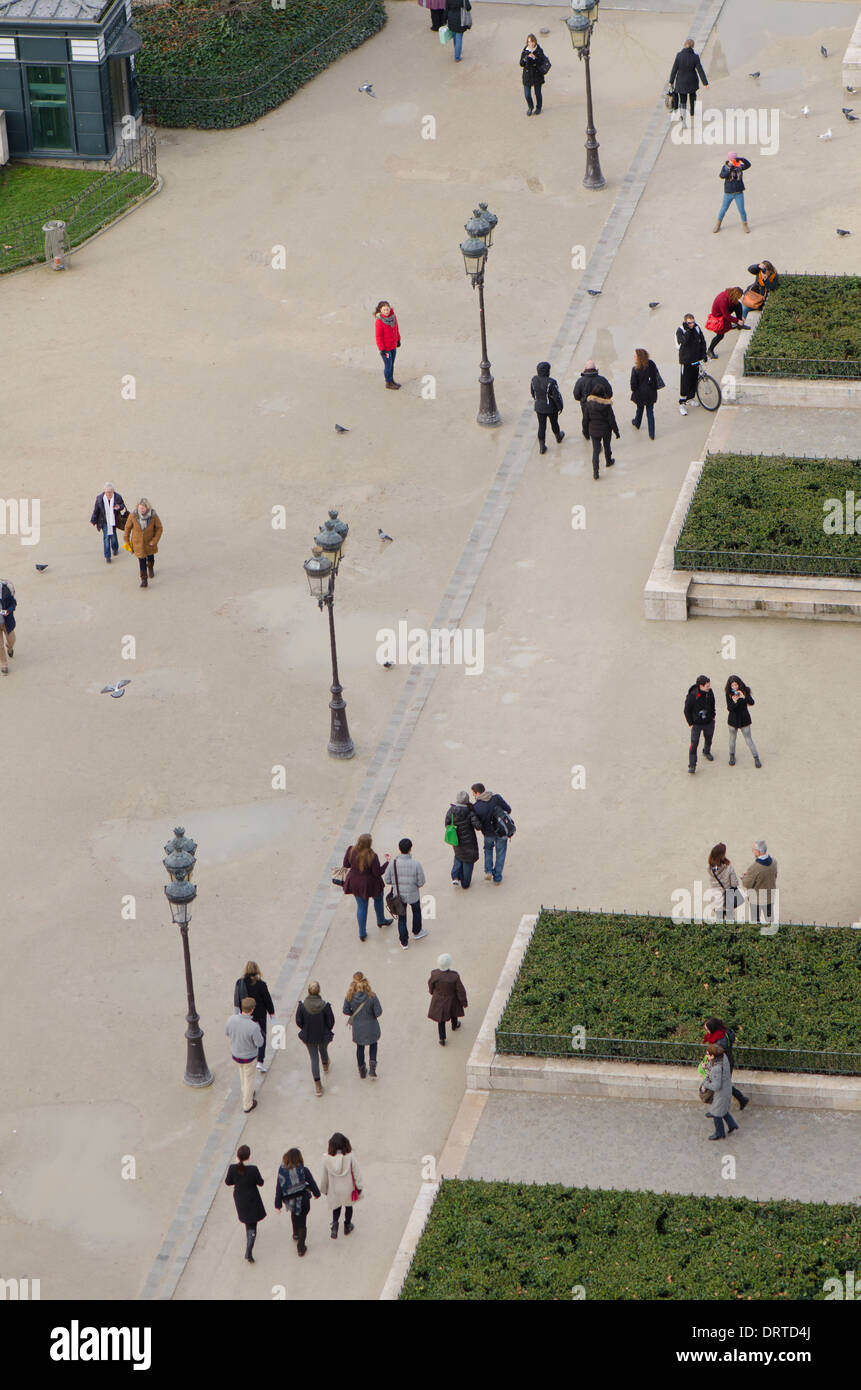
(729, 600)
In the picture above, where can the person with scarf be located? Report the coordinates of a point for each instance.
(732, 174)
(142, 532)
(388, 341)
(109, 515)
(294, 1188)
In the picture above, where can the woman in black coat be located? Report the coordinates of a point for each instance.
(455, 13)
(250, 986)
(646, 382)
(739, 698)
(600, 422)
(685, 77)
(294, 1188)
(245, 1178)
(535, 64)
(459, 814)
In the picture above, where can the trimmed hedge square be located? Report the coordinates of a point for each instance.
(810, 327)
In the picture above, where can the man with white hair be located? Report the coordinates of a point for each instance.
(109, 516)
(761, 880)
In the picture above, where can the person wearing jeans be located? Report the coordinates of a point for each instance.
(459, 815)
(646, 382)
(719, 1080)
(341, 1177)
(716, 1032)
(484, 819)
(456, 11)
(407, 877)
(739, 699)
(600, 423)
(388, 340)
(700, 718)
(315, 1020)
(109, 514)
(732, 174)
(365, 881)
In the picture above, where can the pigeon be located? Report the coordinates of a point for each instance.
(847, 109)
(387, 665)
(805, 110)
(116, 691)
(594, 293)
(753, 74)
(841, 231)
(41, 568)
(544, 31)
(653, 303)
(850, 90)
(850, 117)
(368, 87)
(382, 535)
(823, 50)
(827, 135)
(341, 429)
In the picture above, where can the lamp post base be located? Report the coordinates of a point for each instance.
(340, 744)
(197, 1073)
(593, 178)
(487, 411)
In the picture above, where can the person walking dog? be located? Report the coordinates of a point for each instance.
(458, 19)
(535, 65)
(110, 514)
(448, 997)
(685, 78)
(692, 351)
(548, 403)
(646, 382)
(245, 1178)
(365, 881)
(601, 425)
(294, 1188)
(341, 1182)
(245, 1041)
(8, 604)
(388, 341)
(315, 1020)
(407, 877)
(460, 834)
(739, 698)
(363, 1009)
(251, 986)
(142, 532)
(700, 716)
(719, 1081)
(732, 174)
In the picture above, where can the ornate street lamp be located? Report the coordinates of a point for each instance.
(180, 893)
(320, 571)
(479, 235)
(580, 23)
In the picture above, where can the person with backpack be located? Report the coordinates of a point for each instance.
(685, 78)
(407, 877)
(717, 1032)
(700, 717)
(646, 382)
(341, 1182)
(8, 604)
(739, 698)
(692, 351)
(448, 997)
(460, 834)
(250, 985)
(294, 1188)
(719, 1082)
(548, 403)
(535, 65)
(600, 425)
(491, 814)
(315, 1020)
(363, 1009)
(245, 1178)
(724, 877)
(590, 382)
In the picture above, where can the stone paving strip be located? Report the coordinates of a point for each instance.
(220, 1146)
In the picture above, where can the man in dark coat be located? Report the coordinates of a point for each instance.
(484, 819)
(600, 422)
(700, 716)
(448, 997)
(548, 403)
(8, 604)
(685, 77)
(109, 516)
(587, 384)
(692, 351)
(251, 986)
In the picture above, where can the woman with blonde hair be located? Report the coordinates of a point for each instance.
(364, 881)
(142, 532)
(250, 985)
(363, 1008)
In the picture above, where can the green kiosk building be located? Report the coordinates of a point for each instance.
(67, 82)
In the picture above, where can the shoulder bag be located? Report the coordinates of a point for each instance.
(714, 324)
(394, 901)
(450, 832)
(752, 298)
(737, 895)
(352, 1018)
(465, 16)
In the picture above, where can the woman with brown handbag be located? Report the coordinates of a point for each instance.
(364, 881)
(756, 294)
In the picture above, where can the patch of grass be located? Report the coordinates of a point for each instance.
(810, 326)
(629, 977)
(85, 199)
(497, 1241)
(751, 507)
(218, 65)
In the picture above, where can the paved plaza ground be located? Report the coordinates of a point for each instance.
(241, 372)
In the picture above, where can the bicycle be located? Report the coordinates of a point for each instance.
(708, 391)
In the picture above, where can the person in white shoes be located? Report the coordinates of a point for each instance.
(692, 351)
(251, 985)
(407, 877)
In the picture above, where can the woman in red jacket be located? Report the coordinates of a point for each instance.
(724, 316)
(388, 341)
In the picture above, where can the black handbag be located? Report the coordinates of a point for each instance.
(394, 901)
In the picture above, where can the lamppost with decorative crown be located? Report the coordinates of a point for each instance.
(580, 25)
(479, 231)
(320, 571)
(180, 893)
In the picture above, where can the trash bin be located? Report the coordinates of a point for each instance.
(56, 244)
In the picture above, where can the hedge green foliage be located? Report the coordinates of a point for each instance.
(630, 977)
(498, 1241)
(753, 505)
(810, 326)
(211, 65)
